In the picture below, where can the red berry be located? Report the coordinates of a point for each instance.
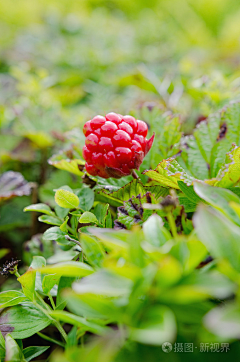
(105, 144)
(92, 142)
(124, 154)
(109, 128)
(136, 147)
(113, 117)
(142, 128)
(131, 121)
(110, 160)
(97, 160)
(121, 138)
(87, 129)
(97, 122)
(126, 127)
(87, 154)
(91, 169)
(114, 145)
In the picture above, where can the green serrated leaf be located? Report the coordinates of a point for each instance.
(63, 163)
(229, 174)
(116, 198)
(168, 172)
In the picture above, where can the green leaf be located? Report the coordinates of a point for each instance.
(100, 211)
(229, 174)
(33, 351)
(71, 165)
(43, 208)
(224, 321)
(93, 250)
(27, 281)
(188, 205)
(156, 327)
(66, 199)
(132, 212)
(154, 231)
(168, 173)
(86, 199)
(116, 198)
(231, 115)
(68, 269)
(2, 343)
(64, 282)
(189, 192)
(168, 134)
(69, 318)
(63, 226)
(11, 297)
(108, 221)
(219, 198)
(61, 212)
(219, 235)
(91, 306)
(88, 217)
(38, 262)
(49, 281)
(190, 253)
(51, 220)
(199, 286)
(54, 233)
(13, 351)
(104, 283)
(11, 321)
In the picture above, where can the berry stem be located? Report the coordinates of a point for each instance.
(134, 175)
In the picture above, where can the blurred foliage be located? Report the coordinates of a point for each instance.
(171, 63)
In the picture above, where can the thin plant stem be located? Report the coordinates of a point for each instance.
(17, 274)
(172, 224)
(50, 339)
(55, 322)
(52, 301)
(134, 175)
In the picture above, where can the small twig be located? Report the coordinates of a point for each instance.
(134, 175)
(67, 237)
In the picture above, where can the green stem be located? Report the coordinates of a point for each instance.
(45, 311)
(17, 274)
(61, 330)
(172, 224)
(52, 301)
(50, 339)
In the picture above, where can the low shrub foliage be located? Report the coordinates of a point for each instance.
(125, 265)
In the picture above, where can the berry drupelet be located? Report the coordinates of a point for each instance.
(115, 145)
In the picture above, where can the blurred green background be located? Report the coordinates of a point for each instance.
(64, 61)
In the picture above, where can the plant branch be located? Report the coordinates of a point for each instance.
(134, 175)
